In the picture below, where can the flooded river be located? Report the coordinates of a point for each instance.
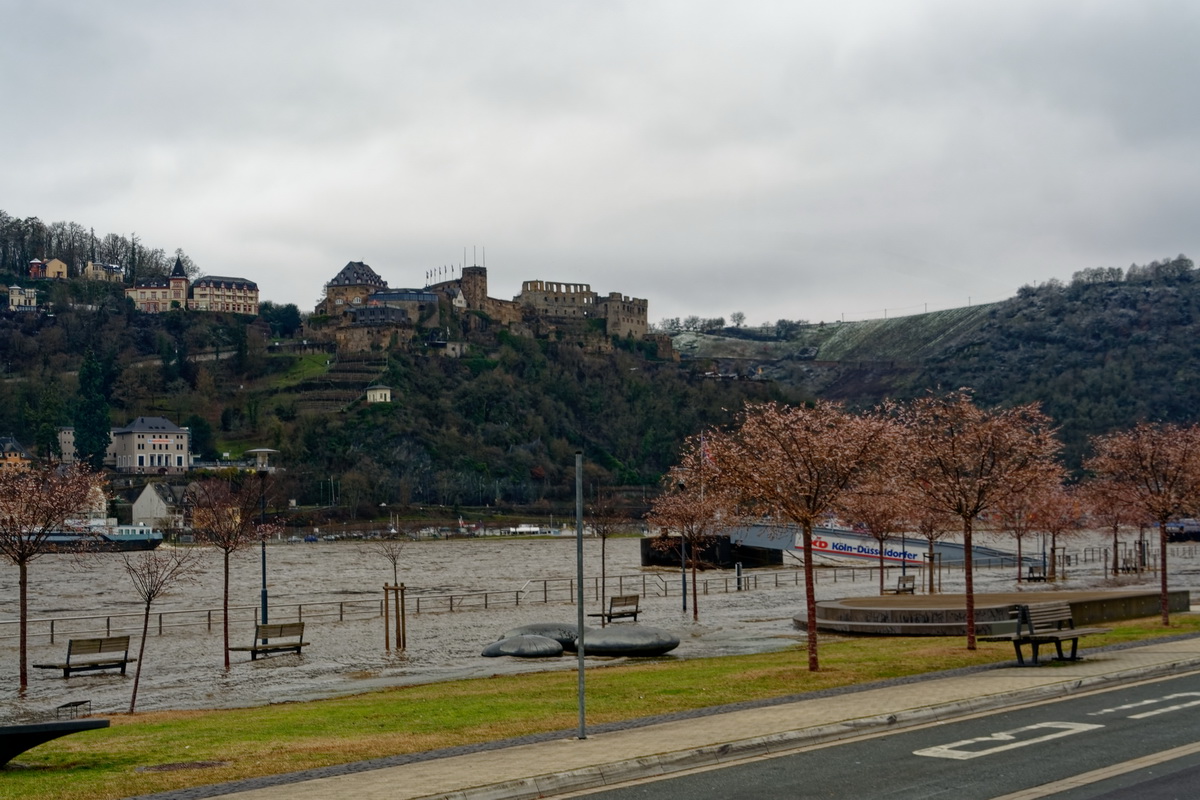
(337, 587)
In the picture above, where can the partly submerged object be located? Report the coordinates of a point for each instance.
(629, 640)
(524, 646)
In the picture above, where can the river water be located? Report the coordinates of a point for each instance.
(183, 667)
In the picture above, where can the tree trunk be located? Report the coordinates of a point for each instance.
(603, 578)
(1162, 572)
(225, 611)
(1020, 561)
(1116, 544)
(881, 570)
(137, 671)
(23, 581)
(695, 607)
(969, 567)
(932, 562)
(1053, 576)
(810, 598)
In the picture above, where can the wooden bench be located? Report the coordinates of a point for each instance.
(266, 639)
(1035, 574)
(1044, 623)
(107, 652)
(620, 607)
(905, 584)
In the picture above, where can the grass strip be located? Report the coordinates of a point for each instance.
(269, 740)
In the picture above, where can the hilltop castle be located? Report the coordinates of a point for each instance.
(363, 313)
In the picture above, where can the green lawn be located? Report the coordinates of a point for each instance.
(294, 736)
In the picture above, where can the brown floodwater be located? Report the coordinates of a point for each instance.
(337, 587)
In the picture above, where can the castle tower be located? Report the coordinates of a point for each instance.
(474, 286)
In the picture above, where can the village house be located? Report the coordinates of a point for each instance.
(209, 293)
(146, 445)
(103, 272)
(13, 455)
(21, 299)
(160, 505)
(52, 269)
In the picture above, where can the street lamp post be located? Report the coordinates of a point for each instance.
(263, 466)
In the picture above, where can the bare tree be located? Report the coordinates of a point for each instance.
(1155, 469)
(390, 548)
(795, 463)
(963, 460)
(153, 573)
(691, 507)
(35, 503)
(224, 516)
(606, 521)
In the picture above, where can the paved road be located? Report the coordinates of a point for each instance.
(1139, 741)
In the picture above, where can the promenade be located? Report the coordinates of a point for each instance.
(563, 764)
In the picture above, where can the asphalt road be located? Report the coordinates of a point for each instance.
(1140, 741)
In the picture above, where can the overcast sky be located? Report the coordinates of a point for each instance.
(786, 159)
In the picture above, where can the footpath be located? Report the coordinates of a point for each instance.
(637, 751)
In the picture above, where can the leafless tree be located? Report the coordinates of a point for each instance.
(963, 460)
(35, 503)
(153, 573)
(224, 515)
(606, 520)
(1155, 469)
(391, 546)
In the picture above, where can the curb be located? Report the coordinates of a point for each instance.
(607, 775)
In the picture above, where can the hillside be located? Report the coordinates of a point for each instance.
(1104, 352)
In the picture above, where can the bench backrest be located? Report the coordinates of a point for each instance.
(107, 644)
(279, 630)
(905, 581)
(1037, 570)
(622, 601)
(1044, 617)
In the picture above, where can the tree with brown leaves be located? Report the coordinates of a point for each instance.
(153, 573)
(35, 503)
(225, 515)
(963, 460)
(1107, 507)
(795, 463)
(879, 503)
(1014, 515)
(933, 526)
(692, 507)
(1155, 469)
(1057, 511)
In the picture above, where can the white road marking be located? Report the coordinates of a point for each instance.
(1104, 773)
(1155, 701)
(1007, 739)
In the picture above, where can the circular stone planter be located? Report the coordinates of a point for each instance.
(524, 647)
(629, 640)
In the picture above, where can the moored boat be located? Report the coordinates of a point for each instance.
(107, 539)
